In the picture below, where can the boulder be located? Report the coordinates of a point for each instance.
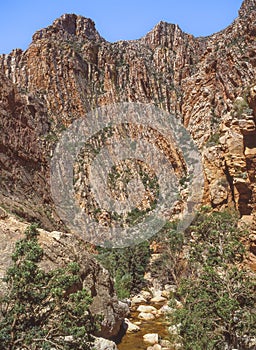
(138, 299)
(130, 327)
(104, 344)
(147, 309)
(146, 316)
(174, 330)
(151, 338)
(158, 299)
(146, 295)
(165, 310)
(155, 347)
(168, 289)
(165, 344)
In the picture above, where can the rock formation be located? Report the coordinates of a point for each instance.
(69, 69)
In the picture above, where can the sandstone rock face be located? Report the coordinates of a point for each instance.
(59, 250)
(24, 122)
(70, 69)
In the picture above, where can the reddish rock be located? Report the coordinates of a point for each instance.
(69, 69)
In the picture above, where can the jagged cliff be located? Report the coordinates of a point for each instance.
(70, 69)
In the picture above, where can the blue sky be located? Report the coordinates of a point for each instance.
(115, 19)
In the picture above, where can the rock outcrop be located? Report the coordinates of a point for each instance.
(23, 159)
(69, 69)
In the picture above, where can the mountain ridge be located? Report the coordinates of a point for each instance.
(69, 69)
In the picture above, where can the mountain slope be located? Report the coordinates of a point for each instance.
(70, 69)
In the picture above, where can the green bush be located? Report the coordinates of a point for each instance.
(217, 293)
(127, 267)
(241, 106)
(168, 267)
(39, 308)
(213, 140)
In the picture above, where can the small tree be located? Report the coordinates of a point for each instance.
(127, 266)
(168, 267)
(218, 294)
(39, 309)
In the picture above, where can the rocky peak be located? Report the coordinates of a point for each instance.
(247, 7)
(70, 25)
(71, 69)
(166, 35)
(161, 34)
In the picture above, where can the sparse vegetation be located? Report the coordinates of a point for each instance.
(213, 140)
(241, 106)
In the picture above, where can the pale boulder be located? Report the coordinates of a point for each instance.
(146, 316)
(158, 299)
(165, 310)
(155, 347)
(104, 344)
(151, 338)
(138, 299)
(130, 327)
(174, 330)
(146, 295)
(147, 309)
(166, 344)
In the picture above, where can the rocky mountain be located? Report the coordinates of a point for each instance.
(69, 69)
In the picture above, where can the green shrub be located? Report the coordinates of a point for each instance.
(217, 293)
(241, 106)
(127, 267)
(39, 308)
(213, 140)
(168, 268)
